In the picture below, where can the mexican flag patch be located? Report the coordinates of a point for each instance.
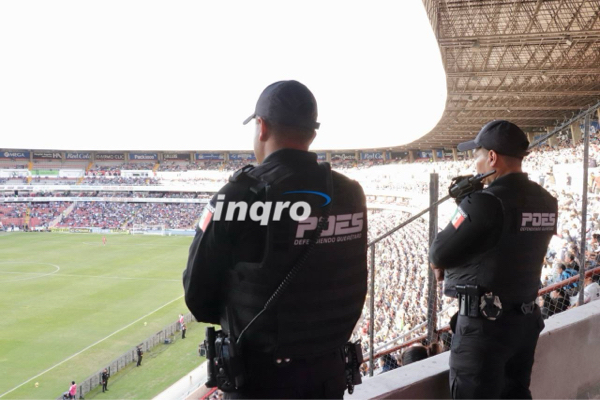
(458, 218)
(206, 217)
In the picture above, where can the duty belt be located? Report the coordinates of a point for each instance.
(469, 306)
(472, 303)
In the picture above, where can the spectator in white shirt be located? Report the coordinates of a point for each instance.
(591, 291)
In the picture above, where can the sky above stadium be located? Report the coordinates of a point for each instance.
(159, 75)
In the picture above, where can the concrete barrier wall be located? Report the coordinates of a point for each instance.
(567, 365)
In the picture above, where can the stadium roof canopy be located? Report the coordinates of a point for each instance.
(533, 62)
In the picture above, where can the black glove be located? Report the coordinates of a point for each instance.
(462, 186)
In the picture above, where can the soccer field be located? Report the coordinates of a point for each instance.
(70, 305)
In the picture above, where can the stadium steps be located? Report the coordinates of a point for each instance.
(30, 165)
(155, 168)
(80, 180)
(65, 214)
(126, 223)
(28, 216)
(89, 166)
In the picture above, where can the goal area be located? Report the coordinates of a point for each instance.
(145, 229)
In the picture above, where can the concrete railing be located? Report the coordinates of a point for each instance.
(567, 365)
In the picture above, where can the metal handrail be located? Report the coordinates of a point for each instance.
(541, 292)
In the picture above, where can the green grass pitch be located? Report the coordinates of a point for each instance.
(70, 305)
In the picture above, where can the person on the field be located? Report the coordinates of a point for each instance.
(105, 376)
(73, 390)
(140, 353)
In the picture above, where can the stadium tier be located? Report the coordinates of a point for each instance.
(167, 197)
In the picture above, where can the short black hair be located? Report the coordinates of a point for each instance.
(414, 354)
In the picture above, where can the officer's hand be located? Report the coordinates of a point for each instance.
(439, 273)
(460, 187)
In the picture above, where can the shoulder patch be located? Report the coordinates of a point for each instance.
(458, 218)
(206, 217)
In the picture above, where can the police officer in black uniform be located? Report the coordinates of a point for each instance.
(104, 379)
(140, 354)
(490, 256)
(236, 262)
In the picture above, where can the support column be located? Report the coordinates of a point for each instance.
(530, 137)
(584, 202)
(432, 290)
(411, 156)
(469, 154)
(551, 140)
(454, 154)
(328, 157)
(434, 155)
(576, 132)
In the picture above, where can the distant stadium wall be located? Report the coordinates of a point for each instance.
(101, 199)
(168, 232)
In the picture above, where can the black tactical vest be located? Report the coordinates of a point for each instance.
(512, 268)
(318, 311)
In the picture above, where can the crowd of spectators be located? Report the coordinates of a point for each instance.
(172, 215)
(400, 279)
(184, 166)
(112, 169)
(117, 215)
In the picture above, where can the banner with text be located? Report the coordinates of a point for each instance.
(242, 156)
(143, 156)
(46, 155)
(343, 156)
(210, 156)
(110, 156)
(78, 156)
(372, 155)
(176, 156)
(18, 155)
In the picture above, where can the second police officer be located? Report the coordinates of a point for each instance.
(238, 261)
(491, 256)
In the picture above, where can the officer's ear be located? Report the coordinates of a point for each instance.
(262, 127)
(492, 158)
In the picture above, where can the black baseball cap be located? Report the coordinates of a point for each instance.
(288, 103)
(502, 136)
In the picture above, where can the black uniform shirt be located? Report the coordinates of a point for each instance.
(494, 241)
(224, 243)
(475, 227)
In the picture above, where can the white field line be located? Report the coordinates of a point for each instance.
(89, 347)
(89, 276)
